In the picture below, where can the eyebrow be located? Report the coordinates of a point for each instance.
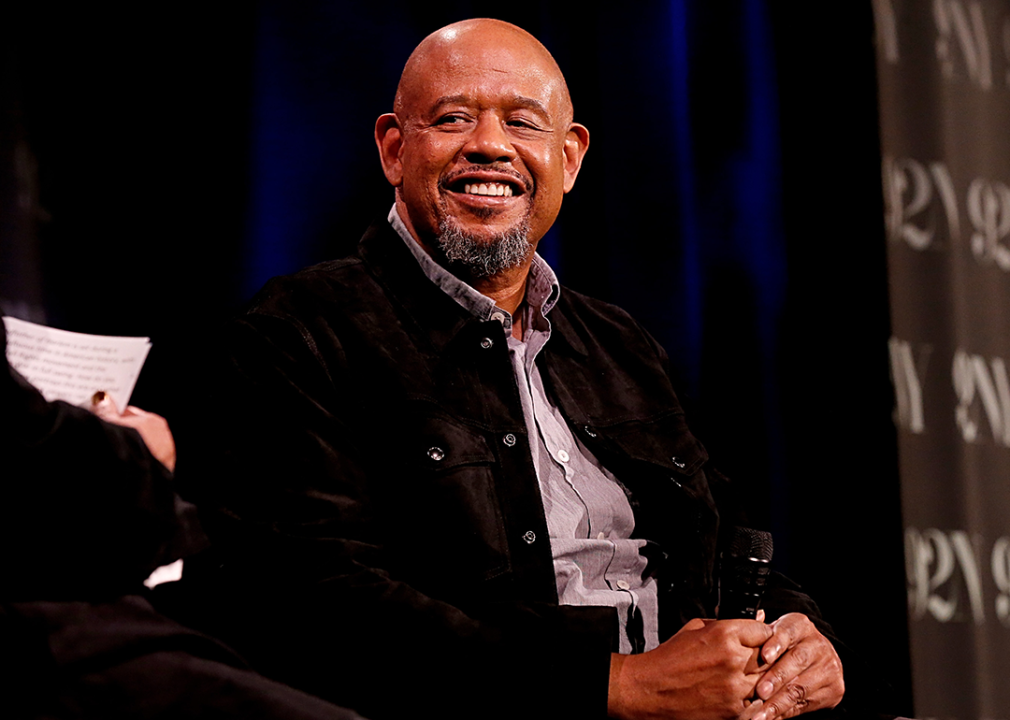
(516, 100)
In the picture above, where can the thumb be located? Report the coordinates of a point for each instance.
(103, 406)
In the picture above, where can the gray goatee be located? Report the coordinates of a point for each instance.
(484, 258)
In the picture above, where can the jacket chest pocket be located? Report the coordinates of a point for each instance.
(444, 509)
(666, 445)
(662, 464)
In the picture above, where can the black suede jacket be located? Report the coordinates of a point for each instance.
(381, 539)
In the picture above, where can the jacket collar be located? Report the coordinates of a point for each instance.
(437, 318)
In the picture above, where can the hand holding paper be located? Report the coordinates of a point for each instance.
(93, 371)
(153, 428)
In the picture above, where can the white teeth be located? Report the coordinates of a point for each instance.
(494, 189)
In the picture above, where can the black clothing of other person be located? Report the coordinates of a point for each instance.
(87, 514)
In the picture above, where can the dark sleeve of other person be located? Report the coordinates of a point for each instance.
(87, 514)
(87, 511)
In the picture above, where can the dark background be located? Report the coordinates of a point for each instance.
(160, 163)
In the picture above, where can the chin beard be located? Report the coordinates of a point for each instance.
(483, 258)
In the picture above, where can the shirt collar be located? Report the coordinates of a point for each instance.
(542, 287)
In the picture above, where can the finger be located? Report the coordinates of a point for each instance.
(755, 664)
(789, 630)
(752, 633)
(784, 671)
(749, 633)
(792, 700)
(812, 664)
(760, 616)
(753, 707)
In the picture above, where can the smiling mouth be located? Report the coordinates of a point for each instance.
(492, 189)
(487, 182)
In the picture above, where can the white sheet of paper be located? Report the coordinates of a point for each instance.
(72, 366)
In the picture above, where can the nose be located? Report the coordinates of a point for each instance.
(489, 143)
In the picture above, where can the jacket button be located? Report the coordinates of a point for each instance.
(436, 453)
(589, 431)
(486, 343)
(530, 537)
(678, 462)
(510, 439)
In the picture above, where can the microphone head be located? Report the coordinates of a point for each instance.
(750, 543)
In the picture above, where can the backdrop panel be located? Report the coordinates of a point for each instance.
(944, 71)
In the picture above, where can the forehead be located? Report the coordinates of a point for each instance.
(484, 72)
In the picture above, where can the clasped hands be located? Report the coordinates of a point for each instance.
(721, 669)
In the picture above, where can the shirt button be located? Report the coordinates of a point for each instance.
(530, 537)
(486, 343)
(623, 585)
(509, 439)
(563, 456)
(498, 317)
(436, 453)
(678, 462)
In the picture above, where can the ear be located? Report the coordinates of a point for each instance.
(576, 144)
(389, 140)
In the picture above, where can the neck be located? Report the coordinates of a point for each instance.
(508, 290)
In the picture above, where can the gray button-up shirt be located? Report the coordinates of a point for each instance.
(596, 561)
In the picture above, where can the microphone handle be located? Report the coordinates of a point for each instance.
(741, 585)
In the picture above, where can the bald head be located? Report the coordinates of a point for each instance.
(468, 43)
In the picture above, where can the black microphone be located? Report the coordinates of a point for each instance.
(743, 573)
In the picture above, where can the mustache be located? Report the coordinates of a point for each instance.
(520, 180)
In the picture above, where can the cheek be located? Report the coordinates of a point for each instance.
(550, 176)
(423, 160)
(420, 177)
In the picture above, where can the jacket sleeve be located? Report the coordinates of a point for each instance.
(87, 510)
(300, 576)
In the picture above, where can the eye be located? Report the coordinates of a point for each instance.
(523, 123)
(455, 119)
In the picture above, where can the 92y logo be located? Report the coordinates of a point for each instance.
(918, 200)
(944, 578)
(921, 203)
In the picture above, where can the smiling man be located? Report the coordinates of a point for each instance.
(451, 486)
